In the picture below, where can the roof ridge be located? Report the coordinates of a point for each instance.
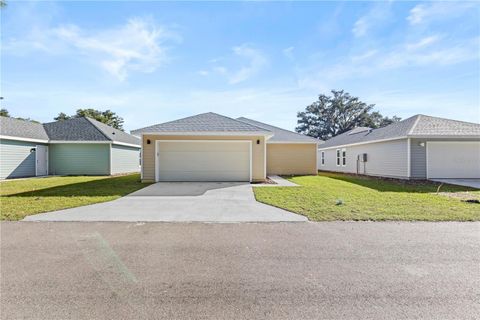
(271, 126)
(414, 124)
(96, 127)
(236, 120)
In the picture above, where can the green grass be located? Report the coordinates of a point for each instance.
(20, 198)
(365, 198)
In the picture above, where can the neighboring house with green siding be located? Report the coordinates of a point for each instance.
(78, 146)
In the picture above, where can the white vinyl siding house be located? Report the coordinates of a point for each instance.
(124, 159)
(17, 159)
(420, 147)
(387, 159)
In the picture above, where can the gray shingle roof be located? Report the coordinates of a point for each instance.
(280, 134)
(428, 125)
(416, 126)
(114, 134)
(22, 129)
(75, 129)
(204, 122)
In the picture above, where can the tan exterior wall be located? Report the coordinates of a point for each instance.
(291, 159)
(148, 158)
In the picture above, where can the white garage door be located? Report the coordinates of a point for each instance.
(453, 159)
(203, 160)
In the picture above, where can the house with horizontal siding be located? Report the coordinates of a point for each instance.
(213, 147)
(420, 147)
(77, 146)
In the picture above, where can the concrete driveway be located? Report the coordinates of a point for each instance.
(333, 270)
(473, 183)
(179, 202)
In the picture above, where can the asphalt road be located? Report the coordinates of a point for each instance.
(339, 270)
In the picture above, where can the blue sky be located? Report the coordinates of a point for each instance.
(158, 61)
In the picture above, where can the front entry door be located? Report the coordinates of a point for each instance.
(41, 155)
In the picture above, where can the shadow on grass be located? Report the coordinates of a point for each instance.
(395, 185)
(116, 186)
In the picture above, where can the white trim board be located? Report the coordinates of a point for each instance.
(209, 133)
(291, 142)
(360, 143)
(127, 144)
(22, 139)
(157, 178)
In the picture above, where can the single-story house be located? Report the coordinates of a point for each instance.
(420, 147)
(78, 146)
(212, 147)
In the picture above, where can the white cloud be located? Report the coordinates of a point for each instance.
(360, 27)
(366, 55)
(439, 10)
(424, 42)
(288, 52)
(138, 45)
(255, 61)
(376, 17)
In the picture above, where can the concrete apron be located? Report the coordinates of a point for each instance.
(179, 202)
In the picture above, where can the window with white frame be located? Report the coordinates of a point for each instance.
(338, 157)
(344, 157)
(322, 158)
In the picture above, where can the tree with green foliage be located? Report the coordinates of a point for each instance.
(330, 116)
(4, 112)
(61, 116)
(108, 117)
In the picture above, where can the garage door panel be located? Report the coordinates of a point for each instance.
(204, 175)
(184, 160)
(204, 161)
(453, 159)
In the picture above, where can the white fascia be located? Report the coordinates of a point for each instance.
(23, 139)
(360, 143)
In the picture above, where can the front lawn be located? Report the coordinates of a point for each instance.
(331, 196)
(20, 198)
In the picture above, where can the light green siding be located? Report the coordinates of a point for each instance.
(125, 159)
(16, 159)
(80, 159)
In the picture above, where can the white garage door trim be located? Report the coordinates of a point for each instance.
(157, 154)
(428, 148)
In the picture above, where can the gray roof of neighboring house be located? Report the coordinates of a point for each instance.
(416, 126)
(22, 129)
(75, 129)
(204, 122)
(281, 135)
(114, 134)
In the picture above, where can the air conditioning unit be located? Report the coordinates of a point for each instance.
(363, 157)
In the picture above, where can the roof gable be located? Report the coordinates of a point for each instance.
(427, 125)
(86, 129)
(416, 126)
(75, 129)
(22, 129)
(114, 134)
(279, 134)
(204, 122)
(356, 135)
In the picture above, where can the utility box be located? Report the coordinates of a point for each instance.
(363, 157)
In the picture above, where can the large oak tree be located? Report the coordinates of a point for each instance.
(332, 115)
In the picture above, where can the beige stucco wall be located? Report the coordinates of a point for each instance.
(148, 158)
(295, 158)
